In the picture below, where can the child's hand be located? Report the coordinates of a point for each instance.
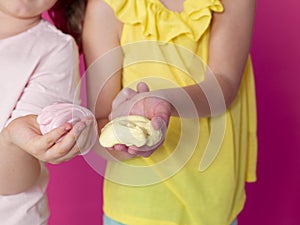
(130, 102)
(58, 114)
(24, 132)
(140, 102)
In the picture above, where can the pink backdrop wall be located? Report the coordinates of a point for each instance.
(75, 190)
(275, 198)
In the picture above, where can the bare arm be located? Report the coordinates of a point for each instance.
(101, 47)
(18, 169)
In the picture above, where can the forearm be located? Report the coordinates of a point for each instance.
(18, 169)
(209, 98)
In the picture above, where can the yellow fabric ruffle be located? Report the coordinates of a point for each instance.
(163, 24)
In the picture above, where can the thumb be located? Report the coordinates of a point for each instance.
(142, 87)
(159, 124)
(124, 95)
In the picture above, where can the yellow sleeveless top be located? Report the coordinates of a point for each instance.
(197, 176)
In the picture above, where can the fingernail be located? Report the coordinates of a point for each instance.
(80, 128)
(68, 127)
(88, 122)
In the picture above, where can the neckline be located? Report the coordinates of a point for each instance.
(36, 26)
(170, 10)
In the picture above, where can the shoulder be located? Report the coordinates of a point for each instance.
(53, 50)
(101, 14)
(101, 30)
(50, 40)
(100, 5)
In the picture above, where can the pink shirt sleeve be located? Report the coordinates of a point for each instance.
(56, 79)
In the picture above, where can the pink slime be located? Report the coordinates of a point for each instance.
(57, 114)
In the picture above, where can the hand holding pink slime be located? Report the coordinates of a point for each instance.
(57, 114)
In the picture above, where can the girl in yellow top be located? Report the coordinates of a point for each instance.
(197, 176)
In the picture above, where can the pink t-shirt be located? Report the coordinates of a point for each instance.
(38, 67)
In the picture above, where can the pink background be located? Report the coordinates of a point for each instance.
(75, 190)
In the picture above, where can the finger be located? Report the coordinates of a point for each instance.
(88, 120)
(84, 140)
(76, 133)
(73, 151)
(159, 124)
(67, 145)
(71, 154)
(144, 148)
(120, 147)
(146, 151)
(88, 137)
(132, 151)
(55, 157)
(124, 95)
(120, 106)
(145, 154)
(122, 110)
(53, 136)
(142, 87)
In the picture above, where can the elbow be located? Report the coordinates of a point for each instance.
(230, 97)
(227, 95)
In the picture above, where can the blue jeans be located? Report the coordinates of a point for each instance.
(109, 221)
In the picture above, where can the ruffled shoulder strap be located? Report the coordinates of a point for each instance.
(162, 24)
(198, 14)
(129, 11)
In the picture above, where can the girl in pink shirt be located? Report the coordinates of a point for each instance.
(39, 67)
